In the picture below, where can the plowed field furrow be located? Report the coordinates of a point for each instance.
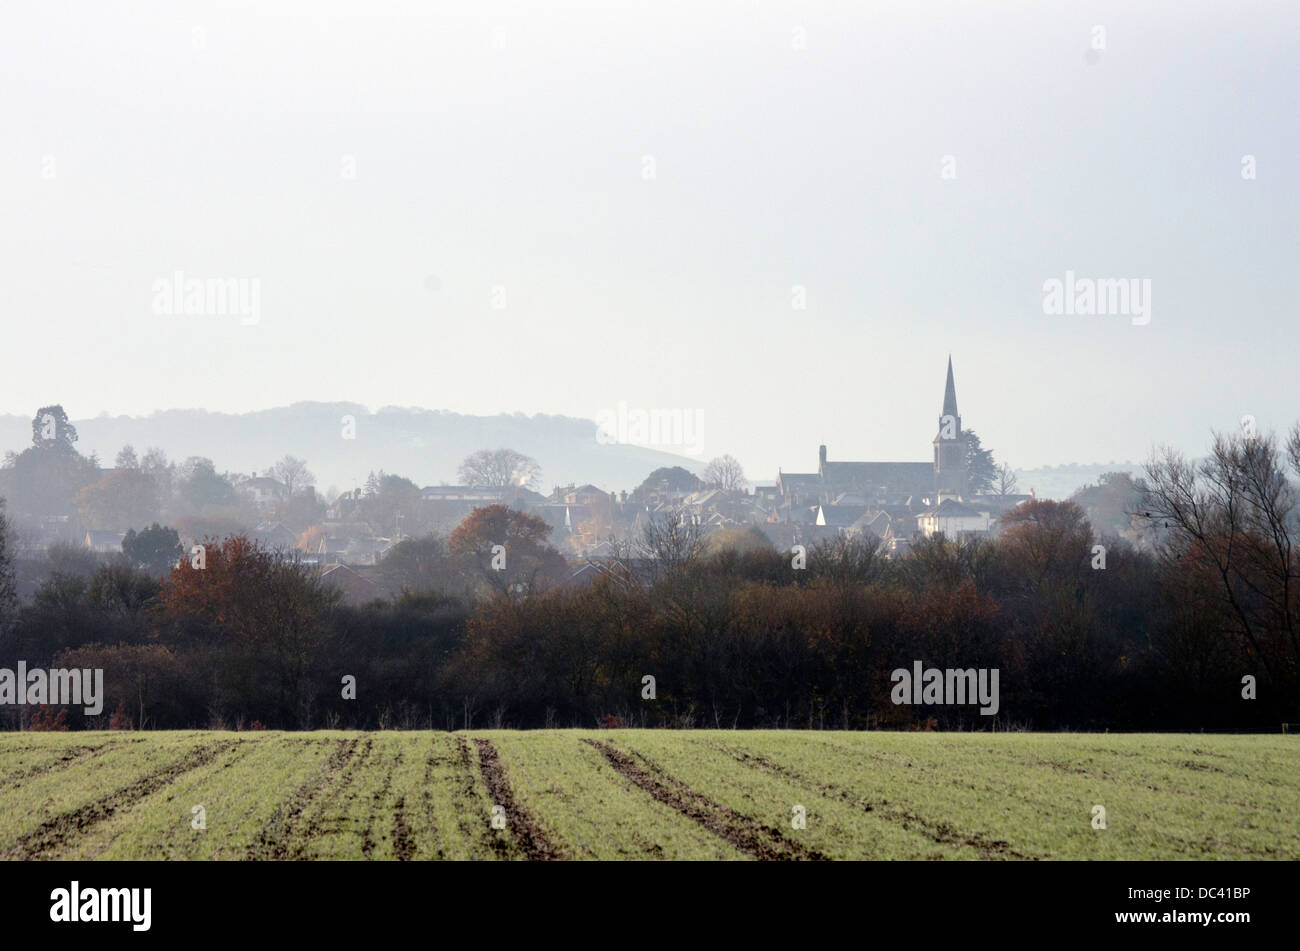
(753, 838)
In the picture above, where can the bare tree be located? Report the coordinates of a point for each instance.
(1232, 518)
(8, 592)
(725, 473)
(1293, 448)
(674, 539)
(294, 474)
(500, 468)
(154, 461)
(1006, 483)
(855, 559)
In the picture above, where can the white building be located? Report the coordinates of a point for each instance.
(952, 519)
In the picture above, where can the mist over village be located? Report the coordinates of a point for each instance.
(772, 603)
(489, 431)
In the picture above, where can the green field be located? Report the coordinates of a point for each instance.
(615, 794)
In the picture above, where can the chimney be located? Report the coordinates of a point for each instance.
(821, 457)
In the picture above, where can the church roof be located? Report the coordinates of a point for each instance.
(872, 474)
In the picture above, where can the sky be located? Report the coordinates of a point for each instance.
(778, 217)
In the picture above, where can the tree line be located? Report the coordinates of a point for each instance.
(1197, 629)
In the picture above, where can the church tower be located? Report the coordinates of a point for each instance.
(950, 444)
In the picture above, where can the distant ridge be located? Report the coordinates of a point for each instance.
(426, 446)
(1060, 482)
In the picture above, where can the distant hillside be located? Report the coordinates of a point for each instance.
(423, 445)
(1060, 482)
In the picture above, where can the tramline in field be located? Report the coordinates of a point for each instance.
(611, 794)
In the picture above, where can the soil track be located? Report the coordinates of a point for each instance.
(54, 832)
(376, 803)
(939, 832)
(403, 848)
(760, 841)
(527, 833)
(426, 799)
(72, 756)
(273, 841)
(312, 827)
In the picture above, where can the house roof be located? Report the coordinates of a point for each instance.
(842, 515)
(951, 508)
(263, 482)
(634, 570)
(98, 538)
(356, 587)
(795, 479)
(1000, 504)
(876, 522)
(480, 492)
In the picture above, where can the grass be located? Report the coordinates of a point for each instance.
(638, 794)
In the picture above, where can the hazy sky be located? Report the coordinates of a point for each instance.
(390, 174)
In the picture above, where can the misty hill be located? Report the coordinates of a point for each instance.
(1060, 482)
(426, 446)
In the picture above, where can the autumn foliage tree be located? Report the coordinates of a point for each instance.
(260, 616)
(733, 634)
(1047, 539)
(505, 550)
(123, 499)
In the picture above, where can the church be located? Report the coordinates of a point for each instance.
(887, 484)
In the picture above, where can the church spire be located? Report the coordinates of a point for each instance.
(949, 393)
(950, 444)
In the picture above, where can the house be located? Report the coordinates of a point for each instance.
(952, 519)
(580, 515)
(105, 542)
(998, 505)
(446, 506)
(356, 587)
(838, 516)
(586, 495)
(263, 490)
(480, 494)
(354, 543)
(638, 571)
(798, 488)
(877, 523)
(273, 536)
(345, 507)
